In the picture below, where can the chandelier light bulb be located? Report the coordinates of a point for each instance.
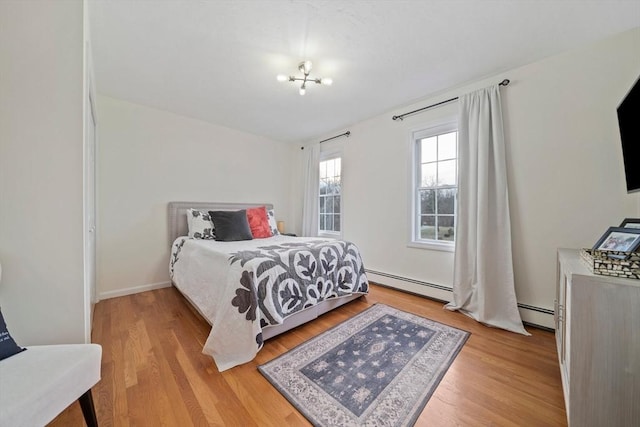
(302, 91)
(282, 78)
(326, 81)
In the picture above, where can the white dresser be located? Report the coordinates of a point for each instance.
(597, 320)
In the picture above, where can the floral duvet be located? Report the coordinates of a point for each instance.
(243, 287)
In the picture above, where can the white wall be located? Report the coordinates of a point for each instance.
(148, 158)
(564, 164)
(41, 161)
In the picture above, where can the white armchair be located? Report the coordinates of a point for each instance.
(39, 383)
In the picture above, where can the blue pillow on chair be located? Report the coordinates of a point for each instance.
(8, 346)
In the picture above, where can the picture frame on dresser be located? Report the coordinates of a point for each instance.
(630, 223)
(623, 239)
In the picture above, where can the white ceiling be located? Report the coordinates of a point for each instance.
(217, 60)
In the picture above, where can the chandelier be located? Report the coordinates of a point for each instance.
(305, 68)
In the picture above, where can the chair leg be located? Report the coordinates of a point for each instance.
(88, 410)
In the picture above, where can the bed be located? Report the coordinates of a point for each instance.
(252, 290)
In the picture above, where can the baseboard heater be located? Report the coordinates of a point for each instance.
(541, 310)
(407, 279)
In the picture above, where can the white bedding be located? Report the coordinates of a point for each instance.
(241, 287)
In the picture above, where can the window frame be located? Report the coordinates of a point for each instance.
(325, 156)
(416, 135)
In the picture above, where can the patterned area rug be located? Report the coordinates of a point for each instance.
(377, 368)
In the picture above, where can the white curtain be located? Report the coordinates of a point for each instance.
(483, 283)
(310, 205)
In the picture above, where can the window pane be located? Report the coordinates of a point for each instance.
(429, 149)
(337, 186)
(328, 222)
(323, 186)
(427, 201)
(322, 204)
(338, 166)
(322, 222)
(427, 227)
(336, 222)
(447, 172)
(336, 204)
(445, 228)
(446, 201)
(329, 186)
(328, 204)
(323, 170)
(330, 168)
(447, 144)
(428, 176)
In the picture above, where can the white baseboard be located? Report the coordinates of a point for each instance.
(429, 290)
(134, 290)
(535, 316)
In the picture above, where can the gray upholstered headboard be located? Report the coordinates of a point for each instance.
(178, 214)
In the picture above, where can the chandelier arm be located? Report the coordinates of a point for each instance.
(299, 79)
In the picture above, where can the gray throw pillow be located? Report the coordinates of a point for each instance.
(231, 225)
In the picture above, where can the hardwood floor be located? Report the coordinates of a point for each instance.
(153, 371)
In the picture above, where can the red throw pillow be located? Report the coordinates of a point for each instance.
(258, 222)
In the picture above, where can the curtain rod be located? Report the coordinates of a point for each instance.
(401, 116)
(347, 133)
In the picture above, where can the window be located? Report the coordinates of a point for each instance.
(436, 185)
(330, 195)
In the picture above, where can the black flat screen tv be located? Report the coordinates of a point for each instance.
(629, 123)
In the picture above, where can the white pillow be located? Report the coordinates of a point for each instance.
(273, 225)
(200, 225)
